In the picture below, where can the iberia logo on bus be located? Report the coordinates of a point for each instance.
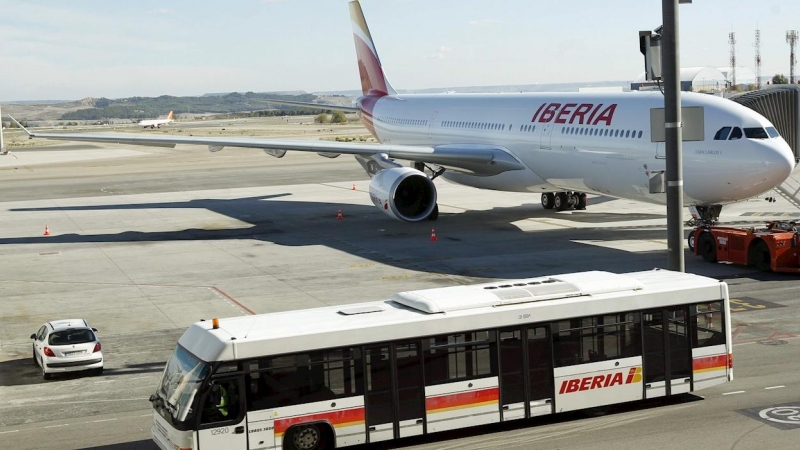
(601, 381)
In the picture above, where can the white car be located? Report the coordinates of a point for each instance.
(67, 346)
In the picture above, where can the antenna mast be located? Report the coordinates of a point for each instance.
(791, 38)
(732, 73)
(757, 45)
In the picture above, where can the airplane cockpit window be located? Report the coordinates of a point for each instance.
(722, 134)
(756, 133)
(773, 133)
(736, 134)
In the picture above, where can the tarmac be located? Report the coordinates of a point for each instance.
(143, 242)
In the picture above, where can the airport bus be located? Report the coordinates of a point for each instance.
(441, 359)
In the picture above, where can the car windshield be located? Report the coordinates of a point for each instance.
(182, 377)
(70, 337)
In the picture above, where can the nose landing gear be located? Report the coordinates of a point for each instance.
(562, 201)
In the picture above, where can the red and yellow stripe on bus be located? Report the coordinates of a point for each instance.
(710, 363)
(461, 400)
(338, 419)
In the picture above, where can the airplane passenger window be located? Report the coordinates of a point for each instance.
(640, 134)
(736, 133)
(756, 133)
(773, 133)
(627, 133)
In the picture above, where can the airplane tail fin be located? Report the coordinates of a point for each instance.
(373, 81)
(170, 116)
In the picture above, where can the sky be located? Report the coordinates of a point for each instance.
(114, 49)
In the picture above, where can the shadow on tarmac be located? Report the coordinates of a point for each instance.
(366, 232)
(20, 372)
(136, 445)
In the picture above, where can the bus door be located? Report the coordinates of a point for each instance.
(395, 393)
(667, 351)
(222, 415)
(526, 372)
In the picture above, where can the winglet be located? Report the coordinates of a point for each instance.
(30, 135)
(171, 116)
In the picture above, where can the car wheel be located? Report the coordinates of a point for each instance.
(45, 375)
(690, 240)
(35, 361)
(97, 372)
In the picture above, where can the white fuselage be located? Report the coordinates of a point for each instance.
(580, 142)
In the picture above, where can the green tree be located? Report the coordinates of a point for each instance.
(779, 79)
(338, 117)
(322, 118)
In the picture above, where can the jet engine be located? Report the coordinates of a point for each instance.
(403, 193)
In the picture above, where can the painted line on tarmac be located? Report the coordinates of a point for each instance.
(56, 426)
(104, 420)
(233, 301)
(774, 387)
(10, 431)
(733, 393)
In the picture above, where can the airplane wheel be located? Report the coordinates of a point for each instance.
(707, 247)
(547, 200)
(759, 256)
(561, 202)
(581, 201)
(435, 213)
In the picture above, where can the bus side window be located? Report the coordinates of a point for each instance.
(461, 356)
(707, 326)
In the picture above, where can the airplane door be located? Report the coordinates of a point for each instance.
(430, 124)
(544, 139)
(660, 151)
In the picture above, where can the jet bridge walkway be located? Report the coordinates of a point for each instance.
(780, 104)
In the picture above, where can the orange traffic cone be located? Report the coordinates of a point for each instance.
(339, 216)
(354, 186)
(433, 235)
(46, 231)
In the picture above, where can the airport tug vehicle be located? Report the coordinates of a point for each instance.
(775, 247)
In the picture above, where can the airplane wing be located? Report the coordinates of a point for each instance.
(477, 159)
(317, 105)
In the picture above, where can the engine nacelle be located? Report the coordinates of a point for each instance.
(403, 193)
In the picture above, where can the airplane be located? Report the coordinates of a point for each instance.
(156, 123)
(559, 145)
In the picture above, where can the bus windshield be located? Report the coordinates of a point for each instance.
(182, 377)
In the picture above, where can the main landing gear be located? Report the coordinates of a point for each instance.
(561, 201)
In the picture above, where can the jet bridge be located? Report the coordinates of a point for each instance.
(780, 104)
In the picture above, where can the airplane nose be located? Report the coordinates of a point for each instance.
(779, 159)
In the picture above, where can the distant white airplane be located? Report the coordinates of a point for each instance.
(156, 123)
(557, 145)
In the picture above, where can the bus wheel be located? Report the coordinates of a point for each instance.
(707, 247)
(759, 256)
(307, 437)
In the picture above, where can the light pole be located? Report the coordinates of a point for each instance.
(673, 134)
